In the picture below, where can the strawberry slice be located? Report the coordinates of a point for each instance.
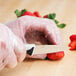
(56, 56)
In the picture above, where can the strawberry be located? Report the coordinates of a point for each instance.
(73, 37)
(70, 44)
(23, 13)
(36, 13)
(45, 16)
(28, 13)
(73, 45)
(56, 56)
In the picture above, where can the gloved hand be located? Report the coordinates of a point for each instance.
(36, 30)
(12, 49)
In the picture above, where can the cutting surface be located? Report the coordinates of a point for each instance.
(66, 13)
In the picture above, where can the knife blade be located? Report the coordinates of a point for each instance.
(44, 49)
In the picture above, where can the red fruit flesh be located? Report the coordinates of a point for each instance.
(28, 13)
(36, 13)
(73, 45)
(73, 37)
(46, 16)
(55, 56)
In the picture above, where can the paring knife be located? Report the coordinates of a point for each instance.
(44, 49)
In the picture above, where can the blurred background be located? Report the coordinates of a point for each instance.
(64, 9)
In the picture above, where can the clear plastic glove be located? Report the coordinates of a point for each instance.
(36, 30)
(12, 49)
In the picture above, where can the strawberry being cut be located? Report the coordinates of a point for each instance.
(56, 56)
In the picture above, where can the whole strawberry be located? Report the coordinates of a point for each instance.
(28, 13)
(23, 13)
(45, 16)
(36, 13)
(73, 37)
(56, 56)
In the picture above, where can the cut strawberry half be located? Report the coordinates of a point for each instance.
(56, 56)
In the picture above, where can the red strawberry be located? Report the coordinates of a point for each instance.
(28, 13)
(56, 56)
(70, 44)
(73, 45)
(46, 16)
(36, 13)
(73, 37)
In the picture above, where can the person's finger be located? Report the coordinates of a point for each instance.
(2, 66)
(53, 33)
(11, 59)
(19, 50)
(1, 61)
(3, 54)
(17, 28)
(44, 25)
(18, 46)
(47, 26)
(8, 55)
